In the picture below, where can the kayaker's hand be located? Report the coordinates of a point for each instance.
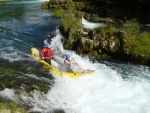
(43, 57)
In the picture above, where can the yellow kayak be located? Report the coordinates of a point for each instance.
(54, 68)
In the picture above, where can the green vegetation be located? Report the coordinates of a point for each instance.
(107, 31)
(126, 39)
(142, 44)
(3, 0)
(67, 22)
(93, 53)
(138, 42)
(5, 71)
(11, 107)
(132, 27)
(45, 5)
(11, 78)
(59, 13)
(69, 19)
(70, 4)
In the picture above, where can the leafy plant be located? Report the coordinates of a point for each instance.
(132, 27)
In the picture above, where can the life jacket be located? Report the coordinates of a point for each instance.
(47, 53)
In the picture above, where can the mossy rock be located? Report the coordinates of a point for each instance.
(70, 24)
(28, 83)
(127, 41)
(67, 44)
(86, 44)
(7, 106)
(6, 71)
(93, 54)
(57, 4)
(45, 5)
(80, 6)
(59, 13)
(58, 111)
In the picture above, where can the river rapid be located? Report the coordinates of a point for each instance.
(115, 87)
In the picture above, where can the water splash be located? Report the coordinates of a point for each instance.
(103, 92)
(8, 93)
(90, 25)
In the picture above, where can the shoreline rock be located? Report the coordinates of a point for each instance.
(107, 41)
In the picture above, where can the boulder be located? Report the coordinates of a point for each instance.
(86, 44)
(58, 4)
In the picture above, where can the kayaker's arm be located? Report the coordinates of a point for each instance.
(67, 62)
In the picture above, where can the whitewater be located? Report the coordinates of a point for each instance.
(106, 91)
(115, 86)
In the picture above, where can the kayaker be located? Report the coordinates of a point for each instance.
(46, 53)
(68, 59)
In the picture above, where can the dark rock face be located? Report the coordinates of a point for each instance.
(119, 10)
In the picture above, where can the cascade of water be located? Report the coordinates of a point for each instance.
(90, 25)
(103, 92)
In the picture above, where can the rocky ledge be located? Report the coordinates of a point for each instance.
(112, 40)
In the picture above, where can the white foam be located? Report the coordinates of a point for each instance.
(103, 92)
(90, 25)
(8, 93)
(14, 56)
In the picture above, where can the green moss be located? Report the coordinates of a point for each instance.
(45, 5)
(137, 42)
(71, 9)
(70, 4)
(88, 46)
(68, 44)
(142, 44)
(77, 35)
(132, 27)
(28, 83)
(56, 4)
(3, 105)
(7, 107)
(80, 5)
(69, 21)
(59, 13)
(93, 53)
(4, 72)
(34, 86)
(105, 31)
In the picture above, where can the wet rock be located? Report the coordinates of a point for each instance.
(7, 106)
(12, 78)
(58, 111)
(86, 44)
(57, 4)
(97, 18)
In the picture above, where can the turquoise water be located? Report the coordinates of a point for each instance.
(23, 25)
(114, 87)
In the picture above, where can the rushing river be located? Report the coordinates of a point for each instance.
(115, 87)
